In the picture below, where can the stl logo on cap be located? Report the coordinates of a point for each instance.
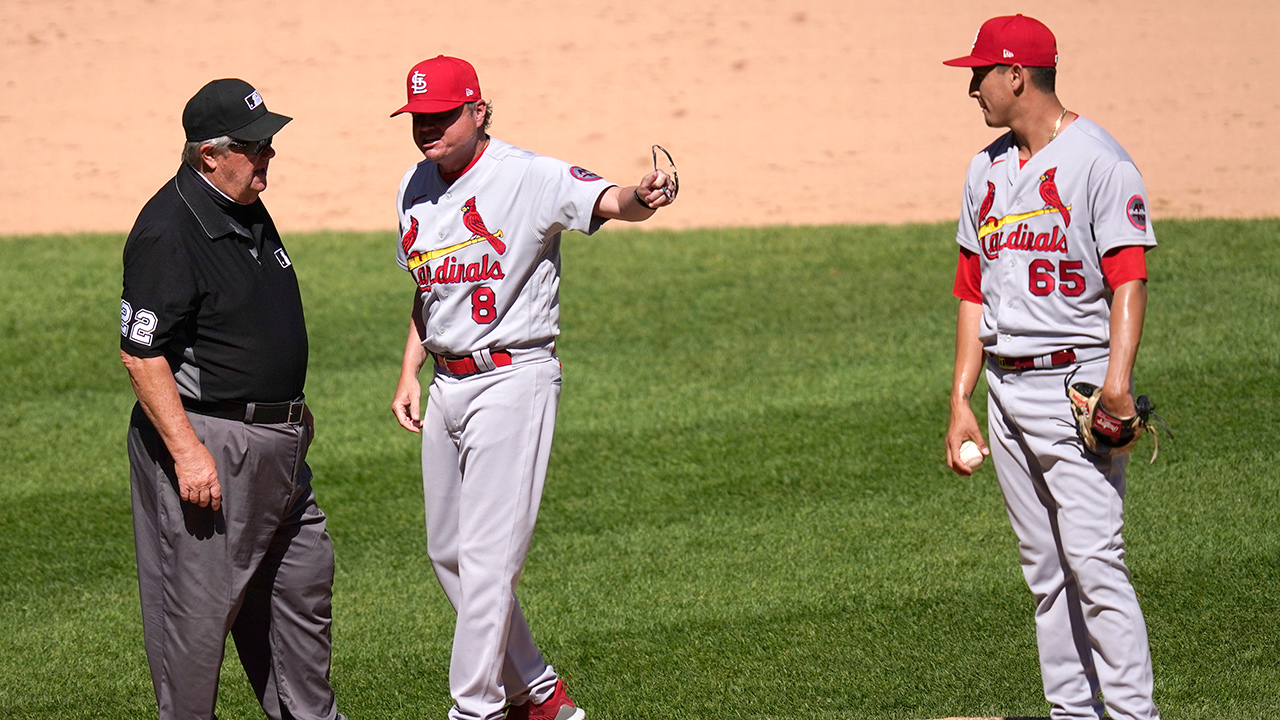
(419, 82)
(253, 100)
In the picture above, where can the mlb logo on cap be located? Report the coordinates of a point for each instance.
(229, 106)
(1011, 40)
(439, 85)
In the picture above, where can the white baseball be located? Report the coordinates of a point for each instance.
(970, 455)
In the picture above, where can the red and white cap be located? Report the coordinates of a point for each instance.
(1011, 40)
(439, 85)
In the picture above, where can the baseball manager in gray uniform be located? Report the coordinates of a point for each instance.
(227, 531)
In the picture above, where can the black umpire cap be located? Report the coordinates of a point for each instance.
(229, 107)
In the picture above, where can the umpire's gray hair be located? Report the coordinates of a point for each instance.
(191, 151)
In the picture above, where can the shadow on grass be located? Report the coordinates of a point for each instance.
(1009, 718)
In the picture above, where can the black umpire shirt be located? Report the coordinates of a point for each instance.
(208, 285)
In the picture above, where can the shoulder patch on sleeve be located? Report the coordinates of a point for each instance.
(1137, 212)
(583, 174)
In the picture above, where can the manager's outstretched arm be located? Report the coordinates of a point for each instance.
(634, 203)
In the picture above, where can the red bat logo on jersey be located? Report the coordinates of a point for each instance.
(1049, 192)
(411, 236)
(987, 202)
(471, 218)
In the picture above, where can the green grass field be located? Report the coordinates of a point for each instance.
(747, 514)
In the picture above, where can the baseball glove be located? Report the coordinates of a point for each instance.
(1104, 434)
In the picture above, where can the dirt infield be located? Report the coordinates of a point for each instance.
(784, 112)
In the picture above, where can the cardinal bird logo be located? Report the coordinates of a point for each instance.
(471, 218)
(987, 202)
(1049, 192)
(411, 236)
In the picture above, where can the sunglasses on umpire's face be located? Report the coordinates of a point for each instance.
(252, 148)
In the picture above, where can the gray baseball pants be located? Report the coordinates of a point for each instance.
(486, 442)
(1067, 509)
(260, 568)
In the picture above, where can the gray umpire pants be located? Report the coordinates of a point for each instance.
(260, 568)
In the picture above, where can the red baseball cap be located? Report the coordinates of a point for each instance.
(440, 84)
(1010, 40)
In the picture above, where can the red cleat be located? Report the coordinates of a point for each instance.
(557, 707)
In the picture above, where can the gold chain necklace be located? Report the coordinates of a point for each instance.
(1058, 125)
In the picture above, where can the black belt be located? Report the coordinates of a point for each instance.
(250, 413)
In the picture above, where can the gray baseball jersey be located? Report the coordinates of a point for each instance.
(485, 250)
(1041, 231)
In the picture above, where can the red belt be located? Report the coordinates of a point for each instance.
(1062, 358)
(463, 366)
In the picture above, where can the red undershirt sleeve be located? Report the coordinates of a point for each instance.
(968, 277)
(1124, 264)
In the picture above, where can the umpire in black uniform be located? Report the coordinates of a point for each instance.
(228, 534)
